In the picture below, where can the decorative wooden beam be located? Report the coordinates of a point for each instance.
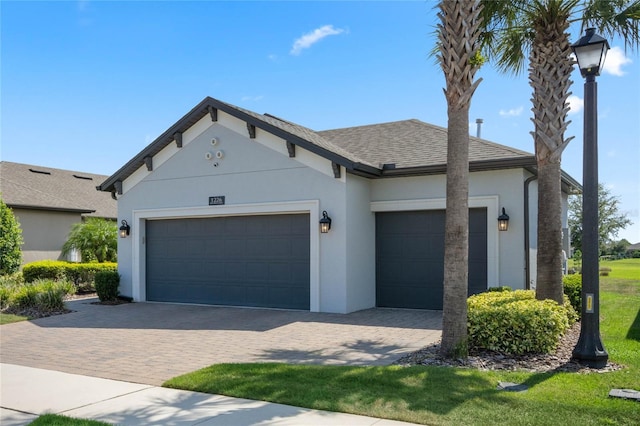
(336, 170)
(148, 161)
(252, 130)
(118, 186)
(213, 112)
(178, 138)
(292, 149)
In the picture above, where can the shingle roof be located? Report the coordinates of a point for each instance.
(409, 147)
(37, 187)
(413, 143)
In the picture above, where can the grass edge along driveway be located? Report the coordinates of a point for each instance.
(448, 396)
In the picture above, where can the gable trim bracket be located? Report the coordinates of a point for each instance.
(148, 161)
(291, 148)
(213, 112)
(177, 136)
(252, 130)
(336, 170)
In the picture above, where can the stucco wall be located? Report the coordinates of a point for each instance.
(256, 176)
(492, 190)
(44, 233)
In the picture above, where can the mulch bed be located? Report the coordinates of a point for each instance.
(559, 361)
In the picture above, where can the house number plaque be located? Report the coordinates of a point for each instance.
(216, 200)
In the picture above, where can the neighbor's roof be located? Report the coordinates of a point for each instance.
(43, 188)
(400, 148)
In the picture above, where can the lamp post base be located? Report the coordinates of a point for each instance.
(590, 351)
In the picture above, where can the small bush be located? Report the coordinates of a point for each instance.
(45, 296)
(572, 285)
(107, 283)
(515, 322)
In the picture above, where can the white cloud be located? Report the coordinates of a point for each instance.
(272, 57)
(575, 104)
(614, 61)
(309, 39)
(513, 112)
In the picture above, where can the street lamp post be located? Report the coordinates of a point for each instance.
(590, 52)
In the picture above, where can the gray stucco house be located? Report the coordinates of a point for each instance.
(224, 209)
(47, 202)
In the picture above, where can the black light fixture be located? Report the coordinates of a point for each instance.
(590, 52)
(325, 222)
(503, 221)
(125, 229)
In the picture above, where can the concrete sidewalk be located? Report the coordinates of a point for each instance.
(26, 393)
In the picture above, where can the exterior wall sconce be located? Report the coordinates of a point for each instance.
(503, 221)
(325, 222)
(125, 229)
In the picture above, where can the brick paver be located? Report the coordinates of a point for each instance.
(150, 343)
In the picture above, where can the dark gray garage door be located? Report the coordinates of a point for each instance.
(260, 261)
(410, 257)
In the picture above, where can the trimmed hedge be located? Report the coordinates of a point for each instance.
(514, 322)
(78, 273)
(572, 286)
(107, 283)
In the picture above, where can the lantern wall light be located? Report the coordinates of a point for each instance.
(325, 223)
(503, 221)
(125, 229)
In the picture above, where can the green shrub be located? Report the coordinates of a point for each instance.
(51, 294)
(572, 285)
(43, 295)
(10, 241)
(500, 288)
(95, 238)
(107, 283)
(515, 322)
(80, 274)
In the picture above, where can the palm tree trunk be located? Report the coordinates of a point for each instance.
(456, 238)
(549, 257)
(549, 71)
(458, 35)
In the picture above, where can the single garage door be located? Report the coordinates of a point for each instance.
(260, 261)
(410, 257)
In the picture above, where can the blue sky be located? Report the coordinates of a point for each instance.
(86, 85)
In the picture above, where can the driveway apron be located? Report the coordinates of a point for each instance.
(150, 342)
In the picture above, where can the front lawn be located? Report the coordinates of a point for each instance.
(9, 318)
(451, 396)
(58, 420)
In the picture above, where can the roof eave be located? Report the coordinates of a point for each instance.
(474, 166)
(55, 209)
(195, 115)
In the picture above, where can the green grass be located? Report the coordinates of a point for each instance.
(10, 318)
(451, 396)
(57, 420)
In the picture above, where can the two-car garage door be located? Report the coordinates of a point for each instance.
(410, 257)
(260, 261)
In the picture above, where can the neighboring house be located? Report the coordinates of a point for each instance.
(48, 202)
(225, 205)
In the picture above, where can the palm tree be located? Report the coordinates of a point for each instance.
(457, 54)
(539, 28)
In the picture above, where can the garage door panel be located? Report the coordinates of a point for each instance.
(243, 261)
(410, 257)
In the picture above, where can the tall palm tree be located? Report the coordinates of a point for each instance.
(539, 29)
(458, 32)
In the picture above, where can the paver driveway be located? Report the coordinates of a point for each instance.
(150, 343)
